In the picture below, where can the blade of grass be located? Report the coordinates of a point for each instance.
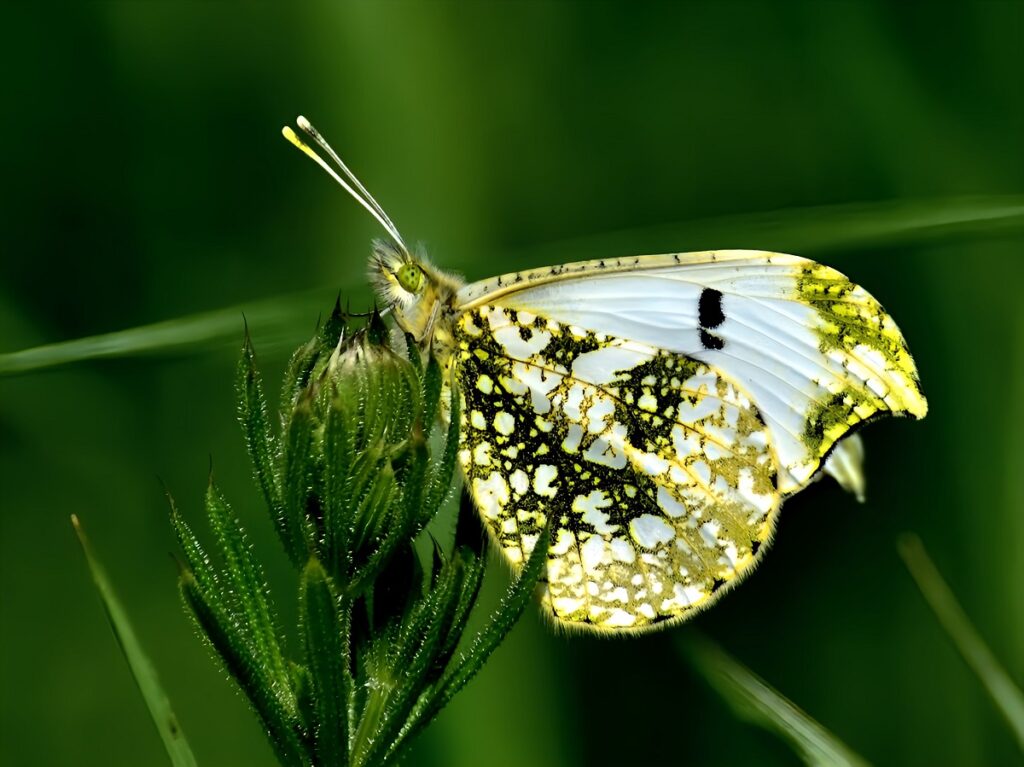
(1007, 696)
(752, 699)
(204, 330)
(807, 230)
(142, 668)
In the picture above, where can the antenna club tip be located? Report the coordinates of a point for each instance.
(293, 138)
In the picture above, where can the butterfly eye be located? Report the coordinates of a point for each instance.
(410, 277)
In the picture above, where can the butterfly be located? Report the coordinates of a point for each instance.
(650, 413)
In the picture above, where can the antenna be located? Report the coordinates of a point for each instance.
(355, 188)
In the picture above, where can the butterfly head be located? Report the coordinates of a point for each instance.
(410, 287)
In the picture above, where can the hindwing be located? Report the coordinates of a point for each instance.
(657, 472)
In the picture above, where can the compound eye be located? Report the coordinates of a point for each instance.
(410, 277)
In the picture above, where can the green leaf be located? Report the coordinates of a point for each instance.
(141, 667)
(520, 593)
(411, 656)
(339, 475)
(293, 524)
(412, 349)
(302, 683)
(439, 480)
(198, 560)
(297, 374)
(325, 634)
(282, 725)
(245, 579)
(252, 414)
(431, 392)
(405, 521)
(997, 682)
(376, 514)
(471, 577)
(752, 699)
(333, 330)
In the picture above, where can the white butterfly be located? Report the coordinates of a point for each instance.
(657, 409)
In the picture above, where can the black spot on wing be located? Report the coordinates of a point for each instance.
(710, 308)
(710, 315)
(710, 340)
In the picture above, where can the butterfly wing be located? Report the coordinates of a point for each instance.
(657, 410)
(814, 352)
(655, 471)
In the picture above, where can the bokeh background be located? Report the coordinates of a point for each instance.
(144, 180)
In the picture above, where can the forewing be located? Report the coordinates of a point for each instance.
(815, 353)
(656, 471)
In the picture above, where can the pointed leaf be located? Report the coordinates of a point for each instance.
(412, 349)
(375, 514)
(293, 522)
(298, 372)
(141, 667)
(252, 414)
(244, 577)
(406, 521)
(302, 683)
(412, 656)
(471, 570)
(520, 593)
(197, 559)
(325, 636)
(431, 392)
(333, 330)
(339, 471)
(282, 725)
(439, 480)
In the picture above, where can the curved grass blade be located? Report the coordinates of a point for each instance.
(752, 699)
(206, 330)
(807, 230)
(142, 668)
(1007, 696)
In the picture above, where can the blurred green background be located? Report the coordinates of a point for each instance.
(145, 179)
